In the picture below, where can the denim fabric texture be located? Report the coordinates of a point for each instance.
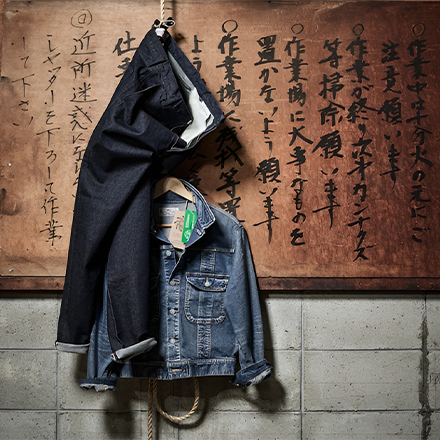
(204, 307)
(137, 141)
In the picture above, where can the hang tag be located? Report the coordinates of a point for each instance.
(188, 225)
(176, 230)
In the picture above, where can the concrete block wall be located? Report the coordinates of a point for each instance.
(347, 366)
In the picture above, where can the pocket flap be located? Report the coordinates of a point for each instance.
(208, 282)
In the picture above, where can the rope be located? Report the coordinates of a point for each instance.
(152, 394)
(162, 10)
(150, 410)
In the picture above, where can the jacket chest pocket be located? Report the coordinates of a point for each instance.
(205, 298)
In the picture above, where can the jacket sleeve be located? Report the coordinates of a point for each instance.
(245, 314)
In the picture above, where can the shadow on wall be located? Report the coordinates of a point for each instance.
(175, 397)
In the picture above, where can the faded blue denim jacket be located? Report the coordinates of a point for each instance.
(204, 307)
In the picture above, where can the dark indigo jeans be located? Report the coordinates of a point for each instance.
(136, 142)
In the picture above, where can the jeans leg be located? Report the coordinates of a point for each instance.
(128, 270)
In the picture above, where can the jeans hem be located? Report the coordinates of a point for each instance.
(72, 348)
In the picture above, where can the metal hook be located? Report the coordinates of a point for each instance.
(169, 22)
(164, 24)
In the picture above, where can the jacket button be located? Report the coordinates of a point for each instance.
(168, 253)
(174, 282)
(174, 311)
(174, 340)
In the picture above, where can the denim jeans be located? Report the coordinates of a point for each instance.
(159, 111)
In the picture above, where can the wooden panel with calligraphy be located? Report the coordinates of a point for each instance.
(329, 154)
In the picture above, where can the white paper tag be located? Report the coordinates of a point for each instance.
(175, 236)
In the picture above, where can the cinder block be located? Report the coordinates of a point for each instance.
(434, 380)
(28, 322)
(362, 380)
(434, 426)
(72, 367)
(362, 322)
(362, 426)
(245, 426)
(106, 425)
(282, 321)
(28, 379)
(281, 393)
(17, 425)
(432, 321)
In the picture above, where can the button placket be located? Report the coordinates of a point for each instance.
(173, 316)
(176, 319)
(172, 304)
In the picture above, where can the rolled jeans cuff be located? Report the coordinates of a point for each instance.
(72, 348)
(124, 354)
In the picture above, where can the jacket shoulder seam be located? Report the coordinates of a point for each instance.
(226, 214)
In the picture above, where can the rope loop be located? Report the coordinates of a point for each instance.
(153, 397)
(170, 417)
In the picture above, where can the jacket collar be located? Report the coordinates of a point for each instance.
(205, 216)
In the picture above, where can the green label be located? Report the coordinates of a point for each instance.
(188, 225)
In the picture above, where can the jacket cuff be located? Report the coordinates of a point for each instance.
(253, 374)
(72, 348)
(100, 384)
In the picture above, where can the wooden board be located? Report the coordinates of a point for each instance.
(329, 154)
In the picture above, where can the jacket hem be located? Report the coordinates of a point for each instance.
(181, 369)
(164, 371)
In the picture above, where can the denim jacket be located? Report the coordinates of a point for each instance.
(204, 307)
